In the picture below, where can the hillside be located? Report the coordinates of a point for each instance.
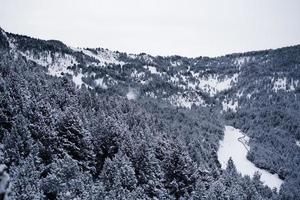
(98, 124)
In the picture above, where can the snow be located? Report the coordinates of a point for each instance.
(279, 84)
(139, 76)
(4, 179)
(185, 102)
(131, 95)
(132, 56)
(142, 57)
(78, 79)
(242, 60)
(151, 94)
(192, 85)
(230, 146)
(12, 45)
(195, 74)
(298, 143)
(135, 74)
(230, 105)
(2, 167)
(68, 193)
(93, 74)
(152, 69)
(99, 82)
(284, 84)
(293, 85)
(103, 56)
(175, 63)
(213, 85)
(147, 58)
(43, 59)
(239, 94)
(57, 63)
(174, 79)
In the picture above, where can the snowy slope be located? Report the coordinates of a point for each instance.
(232, 147)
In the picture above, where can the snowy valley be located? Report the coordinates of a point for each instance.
(83, 123)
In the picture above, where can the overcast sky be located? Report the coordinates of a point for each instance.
(165, 27)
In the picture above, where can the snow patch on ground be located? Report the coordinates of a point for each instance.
(99, 82)
(298, 143)
(186, 101)
(214, 85)
(131, 95)
(44, 58)
(11, 42)
(240, 94)
(283, 84)
(242, 60)
(93, 74)
(103, 56)
(132, 56)
(147, 58)
(77, 79)
(152, 69)
(4, 180)
(175, 63)
(174, 79)
(230, 105)
(192, 85)
(294, 85)
(230, 146)
(151, 94)
(211, 84)
(139, 76)
(142, 57)
(136, 74)
(57, 63)
(279, 84)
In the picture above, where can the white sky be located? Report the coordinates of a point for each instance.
(159, 27)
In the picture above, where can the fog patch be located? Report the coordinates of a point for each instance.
(132, 94)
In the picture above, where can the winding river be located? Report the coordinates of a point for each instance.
(235, 145)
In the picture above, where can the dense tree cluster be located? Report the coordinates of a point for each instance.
(271, 117)
(61, 141)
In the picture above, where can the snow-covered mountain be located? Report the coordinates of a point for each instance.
(188, 80)
(257, 92)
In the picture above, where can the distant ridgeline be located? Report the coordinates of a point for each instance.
(97, 124)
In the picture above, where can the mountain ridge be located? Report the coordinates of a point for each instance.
(168, 56)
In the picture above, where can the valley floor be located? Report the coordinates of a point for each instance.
(234, 145)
